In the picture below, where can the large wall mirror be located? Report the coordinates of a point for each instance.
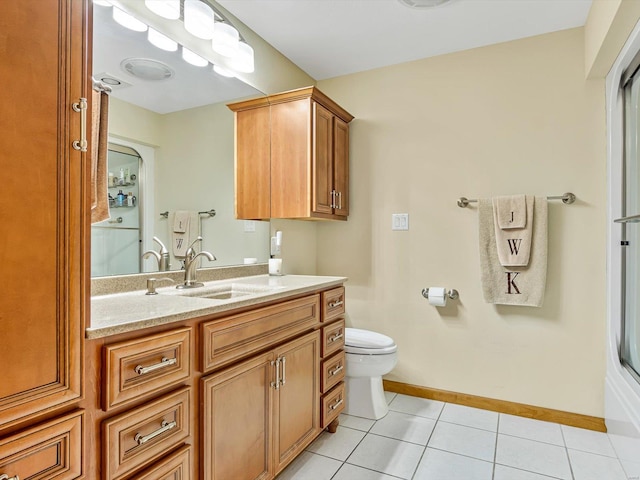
(171, 144)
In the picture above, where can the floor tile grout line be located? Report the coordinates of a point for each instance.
(566, 451)
(495, 450)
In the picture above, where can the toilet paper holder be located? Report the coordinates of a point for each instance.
(452, 293)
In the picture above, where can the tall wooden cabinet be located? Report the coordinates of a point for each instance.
(305, 171)
(42, 211)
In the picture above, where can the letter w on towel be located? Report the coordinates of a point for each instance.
(514, 244)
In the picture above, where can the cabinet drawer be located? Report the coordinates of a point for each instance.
(332, 404)
(178, 466)
(52, 450)
(232, 338)
(140, 367)
(332, 304)
(332, 338)
(145, 433)
(332, 371)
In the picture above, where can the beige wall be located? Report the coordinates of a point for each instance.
(504, 119)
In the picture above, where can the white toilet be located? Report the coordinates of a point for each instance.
(369, 355)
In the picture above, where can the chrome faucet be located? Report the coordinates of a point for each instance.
(191, 266)
(162, 256)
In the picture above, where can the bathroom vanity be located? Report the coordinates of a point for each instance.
(235, 385)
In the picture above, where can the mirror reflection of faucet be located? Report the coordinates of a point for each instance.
(162, 256)
(191, 266)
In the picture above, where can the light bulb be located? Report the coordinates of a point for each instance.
(193, 58)
(165, 8)
(199, 19)
(225, 39)
(243, 60)
(128, 21)
(161, 41)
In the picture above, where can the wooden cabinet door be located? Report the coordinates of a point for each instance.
(322, 169)
(341, 166)
(253, 164)
(237, 417)
(297, 416)
(41, 206)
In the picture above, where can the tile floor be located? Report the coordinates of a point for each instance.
(422, 439)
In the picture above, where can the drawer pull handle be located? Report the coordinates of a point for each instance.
(336, 303)
(337, 336)
(336, 405)
(335, 370)
(165, 427)
(4, 476)
(140, 370)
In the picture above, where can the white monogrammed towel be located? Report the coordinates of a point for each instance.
(514, 244)
(513, 285)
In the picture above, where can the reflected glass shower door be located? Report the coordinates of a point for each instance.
(630, 342)
(116, 242)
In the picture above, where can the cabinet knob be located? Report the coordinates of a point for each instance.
(336, 405)
(337, 303)
(336, 370)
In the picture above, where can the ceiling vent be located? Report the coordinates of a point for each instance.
(108, 79)
(424, 3)
(147, 69)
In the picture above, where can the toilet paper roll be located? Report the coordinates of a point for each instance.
(437, 296)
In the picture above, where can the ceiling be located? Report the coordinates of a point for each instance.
(329, 38)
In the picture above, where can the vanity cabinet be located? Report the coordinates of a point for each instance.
(236, 394)
(42, 75)
(333, 357)
(262, 413)
(305, 171)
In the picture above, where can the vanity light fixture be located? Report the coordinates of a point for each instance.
(199, 19)
(102, 3)
(169, 9)
(223, 71)
(128, 21)
(225, 39)
(193, 58)
(161, 41)
(243, 60)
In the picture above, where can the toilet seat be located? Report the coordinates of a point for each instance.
(365, 342)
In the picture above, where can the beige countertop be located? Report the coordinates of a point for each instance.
(129, 311)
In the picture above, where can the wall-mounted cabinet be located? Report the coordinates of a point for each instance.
(292, 157)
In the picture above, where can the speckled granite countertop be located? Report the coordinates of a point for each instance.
(126, 312)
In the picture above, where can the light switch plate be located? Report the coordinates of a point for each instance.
(399, 221)
(249, 226)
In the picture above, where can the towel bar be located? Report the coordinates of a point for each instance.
(211, 213)
(567, 198)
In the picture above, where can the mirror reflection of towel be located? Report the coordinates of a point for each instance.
(99, 125)
(189, 222)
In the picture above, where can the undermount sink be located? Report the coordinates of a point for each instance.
(229, 291)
